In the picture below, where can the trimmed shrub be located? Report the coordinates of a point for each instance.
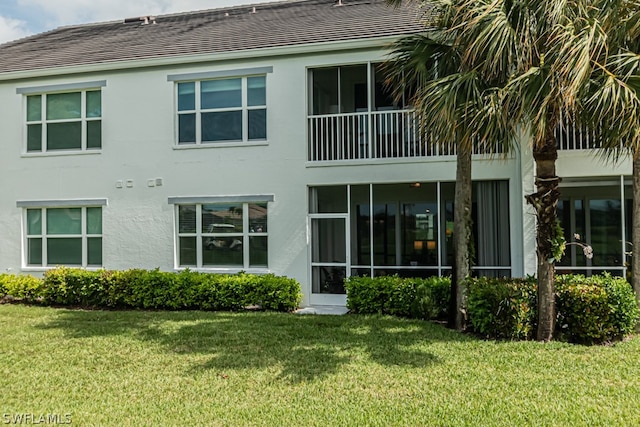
(393, 295)
(595, 309)
(273, 292)
(155, 289)
(380, 295)
(432, 298)
(502, 308)
(23, 287)
(73, 286)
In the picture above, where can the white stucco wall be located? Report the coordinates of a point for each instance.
(138, 144)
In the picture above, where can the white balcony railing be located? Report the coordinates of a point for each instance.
(374, 135)
(394, 134)
(569, 137)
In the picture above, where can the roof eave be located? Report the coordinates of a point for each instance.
(343, 45)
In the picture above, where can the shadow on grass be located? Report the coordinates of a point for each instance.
(302, 347)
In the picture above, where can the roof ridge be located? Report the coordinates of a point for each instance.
(213, 31)
(229, 8)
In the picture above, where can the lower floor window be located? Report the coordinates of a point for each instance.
(222, 235)
(64, 236)
(404, 229)
(598, 215)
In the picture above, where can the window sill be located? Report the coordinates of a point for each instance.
(62, 153)
(220, 145)
(36, 269)
(225, 270)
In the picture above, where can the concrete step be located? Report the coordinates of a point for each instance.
(335, 310)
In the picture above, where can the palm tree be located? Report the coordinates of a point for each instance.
(540, 60)
(615, 100)
(448, 98)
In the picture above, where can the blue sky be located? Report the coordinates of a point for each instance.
(20, 18)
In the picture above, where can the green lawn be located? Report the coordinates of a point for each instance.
(201, 368)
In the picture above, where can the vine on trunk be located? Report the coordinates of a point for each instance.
(550, 236)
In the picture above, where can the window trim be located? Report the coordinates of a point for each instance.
(245, 235)
(191, 200)
(69, 87)
(212, 75)
(244, 108)
(61, 203)
(44, 92)
(84, 235)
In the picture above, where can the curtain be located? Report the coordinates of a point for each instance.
(494, 246)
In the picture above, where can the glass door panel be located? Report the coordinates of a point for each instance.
(606, 232)
(329, 254)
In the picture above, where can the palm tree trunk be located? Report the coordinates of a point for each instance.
(461, 234)
(635, 233)
(545, 200)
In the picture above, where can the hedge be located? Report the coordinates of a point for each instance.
(27, 288)
(393, 295)
(502, 308)
(595, 309)
(590, 310)
(154, 289)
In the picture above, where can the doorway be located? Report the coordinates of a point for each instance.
(330, 258)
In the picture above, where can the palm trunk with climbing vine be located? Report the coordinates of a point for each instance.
(544, 201)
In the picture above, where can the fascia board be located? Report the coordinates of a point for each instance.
(379, 42)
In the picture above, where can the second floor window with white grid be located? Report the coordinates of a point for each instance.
(64, 121)
(222, 110)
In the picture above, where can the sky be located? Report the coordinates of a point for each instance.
(21, 18)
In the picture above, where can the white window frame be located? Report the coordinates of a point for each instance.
(47, 205)
(200, 236)
(44, 92)
(197, 79)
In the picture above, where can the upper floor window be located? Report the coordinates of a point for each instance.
(63, 235)
(353, 115)
(350, 89)
(64, 121)
(222, 110)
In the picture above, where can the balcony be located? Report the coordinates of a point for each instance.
(369, 135)
(394, 135)
(375, 135)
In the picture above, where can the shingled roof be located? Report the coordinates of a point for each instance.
(236, 28)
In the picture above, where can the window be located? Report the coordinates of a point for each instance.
(222, 110)
(64, 121)
(64, 236)
(222, 235)
(353, 115)
(595, 214)
(350, 89)
(404, 229)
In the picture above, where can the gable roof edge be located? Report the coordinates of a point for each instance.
(381, 43)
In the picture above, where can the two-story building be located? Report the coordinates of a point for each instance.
(260, 138)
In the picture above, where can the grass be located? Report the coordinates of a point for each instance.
(271, 369)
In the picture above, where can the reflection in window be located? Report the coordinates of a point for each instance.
(606, 232)
(590, 215)
(222, 110)
(64, 121)
(64, 236)
(406, 232)
(222, 235)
